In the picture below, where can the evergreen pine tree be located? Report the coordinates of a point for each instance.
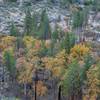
(55, 34)
(13, 30)
(88, 62)
(96, 5)
(10, 63)
(28, 22)
(44, 28)
(19, 42)
(34, 23)
(43, 51)
(68, 42)
(71, 84)
(78, 19)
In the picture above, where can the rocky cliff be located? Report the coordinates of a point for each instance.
(16, 12)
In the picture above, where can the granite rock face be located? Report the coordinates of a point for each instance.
(16, 12)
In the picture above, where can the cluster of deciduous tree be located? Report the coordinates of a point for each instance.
(72, 64)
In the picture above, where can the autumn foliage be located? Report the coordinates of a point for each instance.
(67, 67)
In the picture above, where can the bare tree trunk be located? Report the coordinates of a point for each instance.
(59, 93)
(35, 91)
(25, 91)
